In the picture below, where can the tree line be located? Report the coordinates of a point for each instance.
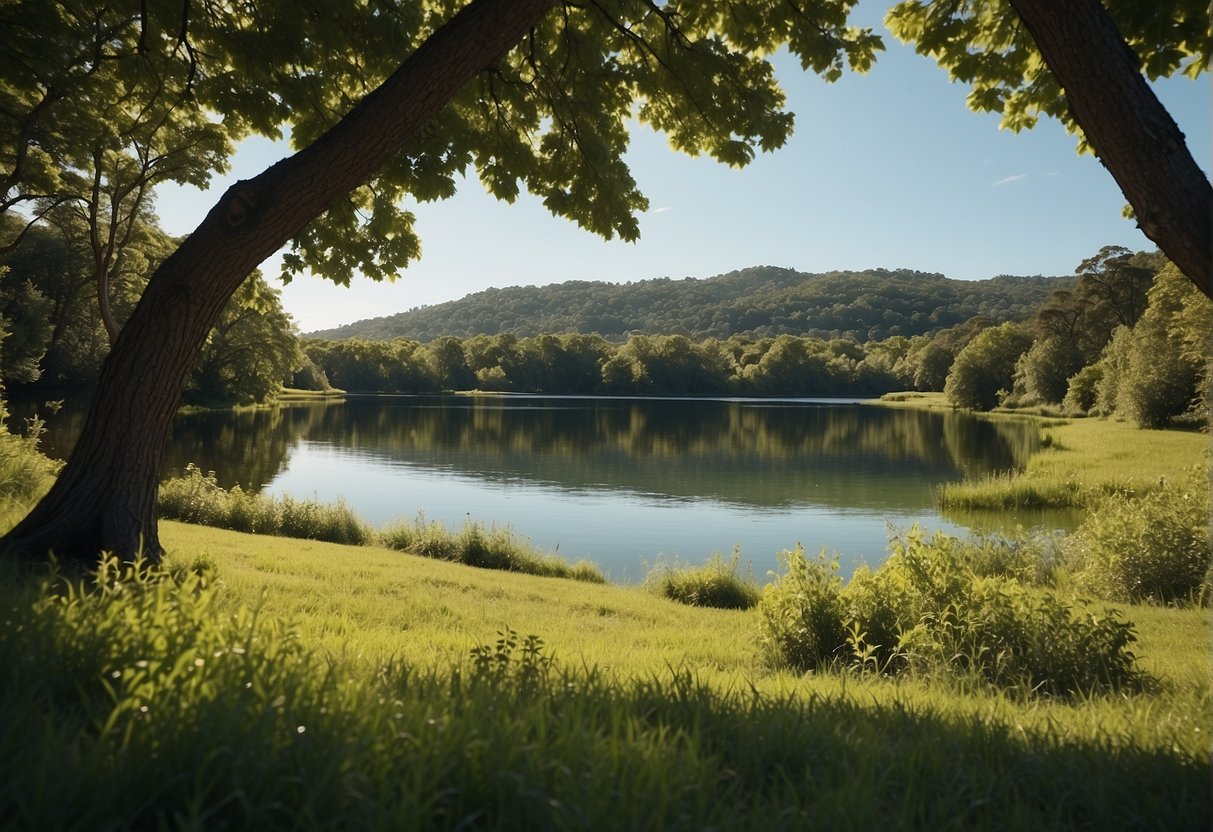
(54, 312)
(643, 365)
(760, 302)
(1130, 339)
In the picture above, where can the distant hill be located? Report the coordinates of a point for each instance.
(759, 301)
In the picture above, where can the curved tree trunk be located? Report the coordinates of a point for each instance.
(1132, 133)
(105, 498)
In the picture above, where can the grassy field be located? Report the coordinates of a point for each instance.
(315, 685)
(1080, 460)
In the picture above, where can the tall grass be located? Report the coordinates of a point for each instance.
(492, 548)
(198, 498)
(24, 472)
(142, 699)
(715, 583)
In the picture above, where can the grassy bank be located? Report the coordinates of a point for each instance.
(1079, 461)
(351, 698)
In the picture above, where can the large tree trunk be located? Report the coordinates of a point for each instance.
(1132, 133)
(105, 498)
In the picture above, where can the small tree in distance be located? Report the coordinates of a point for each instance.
(984, 370)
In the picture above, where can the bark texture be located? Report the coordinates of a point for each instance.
(105, 498)
(1132, 133)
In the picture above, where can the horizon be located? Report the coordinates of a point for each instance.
(886, 170)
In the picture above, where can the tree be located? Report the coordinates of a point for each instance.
(249, 352)
(1082, 62)
(1044, 371)
(551, 114)
(984, 369)
(1168, 354)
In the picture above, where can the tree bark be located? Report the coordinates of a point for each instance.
(105, 498)
(1131, 132)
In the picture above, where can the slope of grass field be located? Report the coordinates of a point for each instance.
(314, 685)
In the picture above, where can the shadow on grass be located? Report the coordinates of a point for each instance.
(144, 702)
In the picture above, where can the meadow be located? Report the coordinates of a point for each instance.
(267, 682)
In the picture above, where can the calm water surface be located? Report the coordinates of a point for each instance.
(620, 481)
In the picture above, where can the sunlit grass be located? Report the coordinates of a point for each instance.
(310, 685)
(496, 547)
(1082, 460)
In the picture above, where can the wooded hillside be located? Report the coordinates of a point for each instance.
(757, 302)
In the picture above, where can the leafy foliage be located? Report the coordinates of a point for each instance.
(1153, 546)
(800, 616)
(757, 302)
(250, 351)
(984, 45)
(926, 609)
(984, 370)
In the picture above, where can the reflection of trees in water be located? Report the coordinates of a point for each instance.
(679, 429)
(753, 453)
(247, 447)
(764, 454)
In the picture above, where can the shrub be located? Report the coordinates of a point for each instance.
(24, 472)
(713, 584)
(1152, 546)
(874, 605)
(927, 610)
(1082, 390)
(800, 614)
(996, 629)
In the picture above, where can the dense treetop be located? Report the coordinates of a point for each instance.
(760, 301)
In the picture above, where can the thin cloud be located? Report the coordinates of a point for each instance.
(661, 210)
(1009, 179)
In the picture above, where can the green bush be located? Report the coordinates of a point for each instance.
(1153, 546)
(24, 472)
(927, 610)
(800, 614)
(1082, 390)
(996, 629)
(715, 583)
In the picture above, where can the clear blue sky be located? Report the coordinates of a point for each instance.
(884, 170)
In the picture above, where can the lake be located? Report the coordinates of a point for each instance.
(623, 482)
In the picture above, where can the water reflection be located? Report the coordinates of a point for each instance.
(620, 480)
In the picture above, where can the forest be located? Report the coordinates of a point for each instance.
(758, 302)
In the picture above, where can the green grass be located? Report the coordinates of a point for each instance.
(304, 684)
(1081, 461)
